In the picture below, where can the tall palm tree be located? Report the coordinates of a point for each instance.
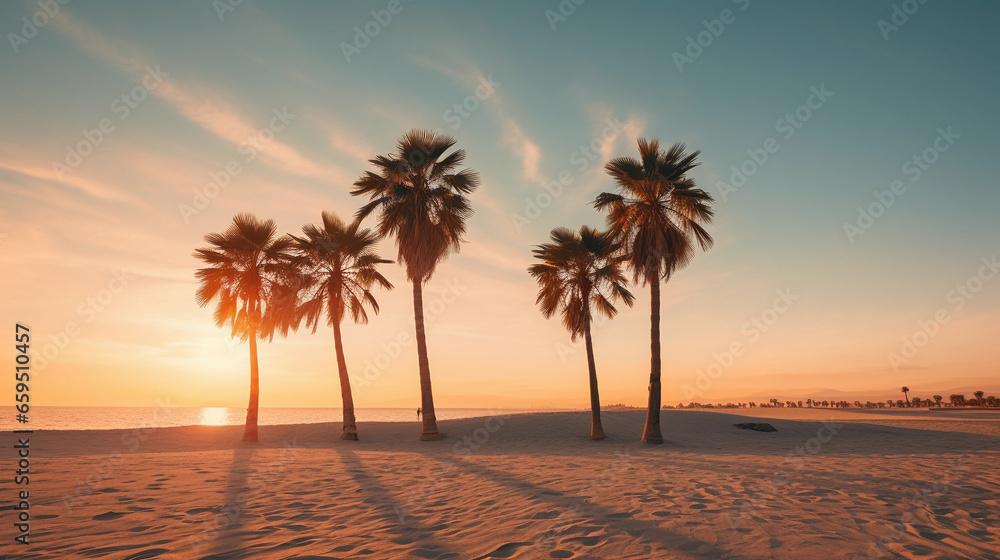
(250, 278)
(578, 271)
(657, 215)
(339, 266)
(979, 397)
(419, 195)
(905, 391)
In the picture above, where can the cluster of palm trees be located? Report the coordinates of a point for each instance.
(264, 283)
(654, 221)
(980, 400)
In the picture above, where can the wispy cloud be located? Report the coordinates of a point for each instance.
(81, 184)
(199, 103)
(468, 75)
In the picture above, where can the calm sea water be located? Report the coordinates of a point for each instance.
(109, 418)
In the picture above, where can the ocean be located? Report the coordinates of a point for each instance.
(111, 418)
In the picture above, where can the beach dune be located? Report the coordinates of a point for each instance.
(826, 484)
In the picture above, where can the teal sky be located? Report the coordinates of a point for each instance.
(130, 204)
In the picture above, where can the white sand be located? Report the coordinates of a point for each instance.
(533, 487)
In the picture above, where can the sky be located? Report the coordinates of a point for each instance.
(850, 147)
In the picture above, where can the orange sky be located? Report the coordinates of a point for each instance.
(106, 245)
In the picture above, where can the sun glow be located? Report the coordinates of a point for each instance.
(214, 416)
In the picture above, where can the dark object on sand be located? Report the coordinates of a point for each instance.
(757, 427)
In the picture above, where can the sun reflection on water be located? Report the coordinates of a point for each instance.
(214, 416)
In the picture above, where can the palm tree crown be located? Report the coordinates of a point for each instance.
(339, 264)
(657, 210)
(249, 277)
(419, 193)
(579, 270)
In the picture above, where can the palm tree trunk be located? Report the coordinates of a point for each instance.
(596, 429)
(250, 432)
(350, 430)
(651, 433)
(430, 429)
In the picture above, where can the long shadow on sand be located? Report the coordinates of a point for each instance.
(226, 524)
(586, 511)
(392, 513)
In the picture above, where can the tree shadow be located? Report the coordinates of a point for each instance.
(392, 512)
(227, 522)
(580, 508)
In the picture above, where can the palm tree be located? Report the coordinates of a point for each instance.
(577, 271)
(418, 193)
(957, 400)
(917, 401)
(656, 215)
(905, 391)
(979, 397)
(339, 266)
(249, 276)
(938, 399)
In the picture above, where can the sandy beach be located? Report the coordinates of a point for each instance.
(828, 483)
